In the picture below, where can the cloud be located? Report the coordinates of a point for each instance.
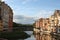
(5, 0)
(27, 1)
(37, 15)
(43, 14)
(2, 0)
(23, 19)
(30, 20)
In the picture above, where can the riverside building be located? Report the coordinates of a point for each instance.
(51, 24)
(6, 17)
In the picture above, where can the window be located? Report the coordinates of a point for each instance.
(45, 23)
(5, 30)
(57, 11)
(52, 20)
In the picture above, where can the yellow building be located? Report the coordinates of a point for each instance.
(57, 13)
(54, 21)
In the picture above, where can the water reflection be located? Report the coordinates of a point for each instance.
(31, 34)
(46, 37)
(40, 36)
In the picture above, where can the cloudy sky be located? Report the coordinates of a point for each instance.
(34, 8)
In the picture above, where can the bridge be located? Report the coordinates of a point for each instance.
(23, 28)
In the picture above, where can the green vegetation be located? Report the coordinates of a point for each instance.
(21, 27)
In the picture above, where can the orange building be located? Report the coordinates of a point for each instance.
(41, 20)
(36, 27)
(47, 24)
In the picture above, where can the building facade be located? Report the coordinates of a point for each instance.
(6, 17)
(57, 13)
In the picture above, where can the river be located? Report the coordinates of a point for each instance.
(41, 36)
(32, 36)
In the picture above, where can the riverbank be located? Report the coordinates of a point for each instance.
(14, 35)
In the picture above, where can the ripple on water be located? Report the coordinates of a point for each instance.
(30, 33)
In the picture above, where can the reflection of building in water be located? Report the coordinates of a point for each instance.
(44, 37)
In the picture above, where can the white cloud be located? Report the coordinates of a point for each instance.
(27, 1)
(11, 1)
(23, 20)
(2, 0)
(39, 14)
(28, 20)
(43, 13)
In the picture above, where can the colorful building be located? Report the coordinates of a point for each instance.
(51, 24)
(36, 27)
(47, 24)
(57, 13)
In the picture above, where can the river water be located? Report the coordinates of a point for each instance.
(32, 36)
(41, 36)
